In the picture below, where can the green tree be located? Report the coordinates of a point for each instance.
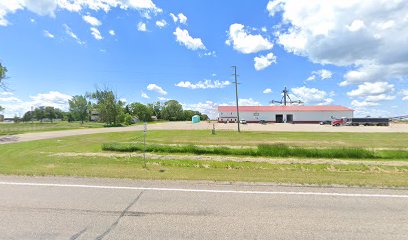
(141, 111)
(204, 117)
(1, 109)
(128, 119)
(107, 106)
(172, 111)
(79, 108)
(39, 114)
(156, 109)
(49, 112)
(3, 71)
(27, 116)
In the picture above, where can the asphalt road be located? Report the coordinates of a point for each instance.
(76, 208)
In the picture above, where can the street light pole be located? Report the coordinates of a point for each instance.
(236, 95)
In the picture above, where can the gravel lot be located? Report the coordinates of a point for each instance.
(203, 126)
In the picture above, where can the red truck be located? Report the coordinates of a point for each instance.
(361, 121)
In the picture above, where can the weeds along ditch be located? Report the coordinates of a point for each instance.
(263, 150)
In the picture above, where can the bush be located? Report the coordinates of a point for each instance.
(275, 150)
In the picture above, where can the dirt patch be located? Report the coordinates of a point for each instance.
(235, 159)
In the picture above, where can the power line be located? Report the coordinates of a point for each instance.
(236, 94)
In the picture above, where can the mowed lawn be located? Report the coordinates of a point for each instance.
(38, 158)
(18, 128)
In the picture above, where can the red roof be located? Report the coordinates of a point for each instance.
(284, 109)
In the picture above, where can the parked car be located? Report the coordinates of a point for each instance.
(262, 121)
(327, 122)
(243, 122)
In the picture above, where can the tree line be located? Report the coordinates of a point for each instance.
(104, 106)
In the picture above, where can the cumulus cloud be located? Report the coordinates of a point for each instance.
(141, 26)
(156, 88)
(15, 106)
(184, 38)
(370, 94)
(48, 34)
(93, 21)
(321, 74)
(244, 42)
(112, 32)
(263, 62)
(204, 84)
(267, 91)
(144, 95)
(248, 102)
(182, 18)
(312, 96)
(208, 107)
(50, 7)
(161, 23)
(365, 35)
(96, 34)
(372, 89)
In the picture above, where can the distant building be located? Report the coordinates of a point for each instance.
(283, 114)
(95, 116)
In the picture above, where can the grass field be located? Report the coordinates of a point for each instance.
(17, 128)
(38, 158)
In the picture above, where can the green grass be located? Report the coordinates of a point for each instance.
(263, 150)
(18, 128)
(36, 158)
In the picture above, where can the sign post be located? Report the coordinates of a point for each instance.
(144, 143)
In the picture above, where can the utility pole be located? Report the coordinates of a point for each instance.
(236, 94)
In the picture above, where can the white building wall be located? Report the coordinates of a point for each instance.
(309, 116)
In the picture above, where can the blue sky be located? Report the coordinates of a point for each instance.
(325, 52)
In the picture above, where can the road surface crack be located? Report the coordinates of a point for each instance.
(113, 226)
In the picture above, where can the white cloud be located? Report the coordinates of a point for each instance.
(182, 18)
(204, 84)
(72, 34)
(6, 94)
(10, 100)
(15, 106)
(141, 26)
(267, 91)
(112, 32)
(404, 93)
(363, 104)
(369, 36)
(50, 7)
(161, 24)
(264, 29)
(263, 62)
(312, 96)
(356, 25)
(163, 99)
(322, 74)
(48, 34)
(174, 17)
(248, 102)
(372, 89)
(93, 21)
(184, 38)
(244, 42)
(208, 107)
(155, 88)
(95, 32)
(144, 95)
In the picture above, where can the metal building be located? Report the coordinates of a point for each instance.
(283, 114)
